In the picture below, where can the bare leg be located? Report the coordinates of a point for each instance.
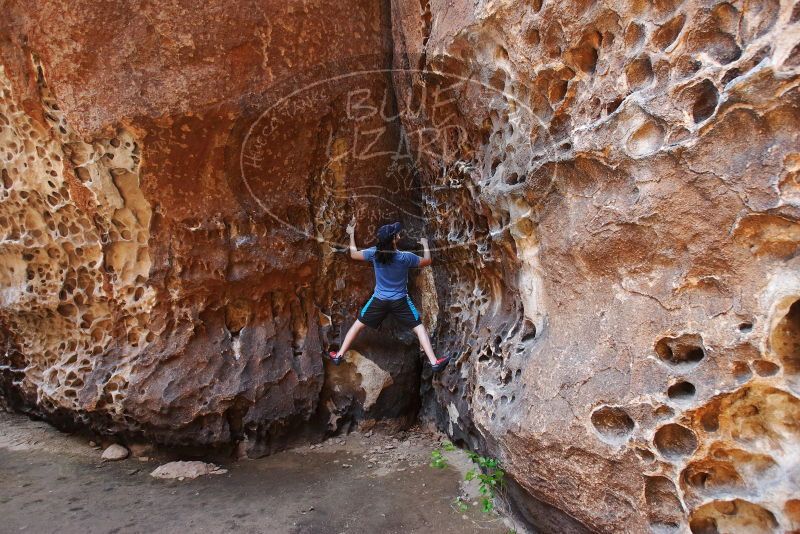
(425, 342)
(351, 335)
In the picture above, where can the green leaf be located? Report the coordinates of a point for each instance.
(470, 475)
(437, 461)
(486, 505)
(448, 446)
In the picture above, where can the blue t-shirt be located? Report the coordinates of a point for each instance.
(391, 280)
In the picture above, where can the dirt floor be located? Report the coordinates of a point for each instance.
(53, 482)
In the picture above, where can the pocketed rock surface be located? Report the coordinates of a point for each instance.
(140, 291)
(611, 188)
(622, 283)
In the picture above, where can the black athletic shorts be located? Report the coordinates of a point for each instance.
(375, 311)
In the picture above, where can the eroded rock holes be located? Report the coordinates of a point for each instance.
(765, 368)
(612, 423)
(667, 33)
(675, 441)
(683, 351)
(732, 516)
(647, 139)
(681, 391)
(785, 340)
(704, 97)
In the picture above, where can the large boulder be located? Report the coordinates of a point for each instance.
(174, 190)
(621, 284)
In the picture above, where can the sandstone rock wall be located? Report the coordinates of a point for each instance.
(144, 290)
(611, 188)
(621, 285)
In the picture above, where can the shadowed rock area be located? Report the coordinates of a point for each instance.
(610, 188)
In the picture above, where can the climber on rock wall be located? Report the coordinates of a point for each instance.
(391, 290)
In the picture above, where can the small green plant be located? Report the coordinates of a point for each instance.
(488, 473)
(461, 505)
(437, 460)
(490, 478)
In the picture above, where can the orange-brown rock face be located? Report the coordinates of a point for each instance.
(611, 189)
(621, 283)
(169, 200)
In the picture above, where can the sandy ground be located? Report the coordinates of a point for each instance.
(53, 482)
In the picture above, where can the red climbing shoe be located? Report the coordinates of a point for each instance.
(440, 364)
(332, 356)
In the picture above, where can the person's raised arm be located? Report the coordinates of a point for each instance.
(426, 253)
(354, 252)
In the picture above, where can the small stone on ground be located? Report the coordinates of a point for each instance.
(114, 453)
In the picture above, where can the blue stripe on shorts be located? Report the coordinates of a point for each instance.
(413, 309)
(364, 309)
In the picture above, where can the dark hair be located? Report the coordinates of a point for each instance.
(385, 250)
